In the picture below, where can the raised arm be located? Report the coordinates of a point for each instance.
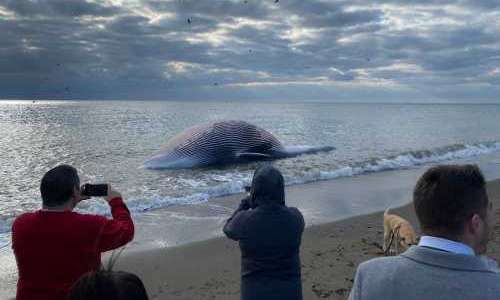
(118, 231)
(234, 227)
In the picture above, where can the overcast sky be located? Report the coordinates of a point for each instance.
(251, 49)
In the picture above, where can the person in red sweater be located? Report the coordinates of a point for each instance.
(55, 246)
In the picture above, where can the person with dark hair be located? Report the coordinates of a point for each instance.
(456, 219)
(108, 285)
(54, 246)
(269, 234)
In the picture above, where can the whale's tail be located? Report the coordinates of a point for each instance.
(291, 151)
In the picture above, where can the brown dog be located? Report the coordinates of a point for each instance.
(399, 235)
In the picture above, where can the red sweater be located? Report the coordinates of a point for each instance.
(53, 249)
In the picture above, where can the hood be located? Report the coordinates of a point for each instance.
(268, 186)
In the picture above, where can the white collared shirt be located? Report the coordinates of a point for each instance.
(446, 245)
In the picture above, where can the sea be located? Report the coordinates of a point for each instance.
(108, 142)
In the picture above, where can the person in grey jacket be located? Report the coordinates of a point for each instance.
(269, 234)
(456, 219)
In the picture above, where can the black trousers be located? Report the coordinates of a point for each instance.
(256, 288)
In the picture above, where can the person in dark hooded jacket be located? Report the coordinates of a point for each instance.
(269, 234)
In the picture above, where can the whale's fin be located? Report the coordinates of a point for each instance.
(253, 155)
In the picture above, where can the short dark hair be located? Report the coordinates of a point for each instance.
(446, 196)
(57, 185)
(108, 285)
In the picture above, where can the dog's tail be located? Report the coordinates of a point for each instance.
(386, 211)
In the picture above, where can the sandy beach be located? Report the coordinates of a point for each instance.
(180, 252)
(330, 253)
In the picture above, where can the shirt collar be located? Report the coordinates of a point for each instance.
(446, 245)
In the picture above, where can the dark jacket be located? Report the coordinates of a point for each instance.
(269, 238)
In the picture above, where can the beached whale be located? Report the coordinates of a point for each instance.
(223, 142)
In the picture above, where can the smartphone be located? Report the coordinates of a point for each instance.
(95, 190)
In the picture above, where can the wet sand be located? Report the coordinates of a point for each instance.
(330, 253)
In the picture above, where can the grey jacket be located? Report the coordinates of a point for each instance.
(425, 273)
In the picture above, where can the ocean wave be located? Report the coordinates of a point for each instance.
(402, 161)
(412, 159)
(227, 188)
(5, 224)
(139, 205)
(234, 184)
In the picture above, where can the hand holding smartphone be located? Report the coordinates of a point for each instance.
(100, 190)
(251, 201)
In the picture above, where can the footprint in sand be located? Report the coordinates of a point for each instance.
(321, 292)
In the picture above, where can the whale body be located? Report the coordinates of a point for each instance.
(223, 142)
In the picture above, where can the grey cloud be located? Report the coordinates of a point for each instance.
(482, 4)
(180, 23)
(342, 18)
(268, 39)
(457, 59)
(320, 14)
(130, 25)
(469, 36)
(220, 9)
(68, 8)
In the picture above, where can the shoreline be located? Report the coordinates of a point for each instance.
(320, 202)
(343, 227)
(330, 254)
